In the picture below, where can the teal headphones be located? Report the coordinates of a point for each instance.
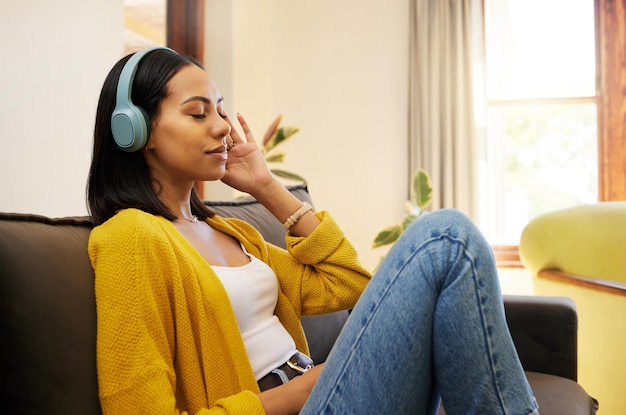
(130, 123)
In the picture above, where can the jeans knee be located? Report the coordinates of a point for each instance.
(449, 221)
(445, 224)
(448, 215)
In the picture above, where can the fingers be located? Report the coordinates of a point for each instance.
(244, 126)
(234, 135)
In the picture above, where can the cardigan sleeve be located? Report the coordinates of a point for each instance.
(331, 277)
(136, 341)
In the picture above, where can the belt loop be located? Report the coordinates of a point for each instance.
(281, 374)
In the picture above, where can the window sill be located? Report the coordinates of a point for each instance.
(507, 256)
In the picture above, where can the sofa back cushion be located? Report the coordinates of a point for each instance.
(47, 316)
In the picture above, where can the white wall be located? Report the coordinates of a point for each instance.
(55, 55)
(336, 69)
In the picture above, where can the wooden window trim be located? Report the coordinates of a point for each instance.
(611, 74)
(507, 256)
(185, 27)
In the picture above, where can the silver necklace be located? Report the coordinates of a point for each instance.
(193, 219)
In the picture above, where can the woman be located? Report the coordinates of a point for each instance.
(197, 314)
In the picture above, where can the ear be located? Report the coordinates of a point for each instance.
(149, 145)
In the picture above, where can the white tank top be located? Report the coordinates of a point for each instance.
(253, 292)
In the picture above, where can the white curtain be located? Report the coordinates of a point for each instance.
(446, 109)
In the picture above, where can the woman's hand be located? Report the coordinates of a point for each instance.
(290, 397)
(246, 169)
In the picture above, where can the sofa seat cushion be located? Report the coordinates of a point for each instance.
(557, 395)
(560, 396)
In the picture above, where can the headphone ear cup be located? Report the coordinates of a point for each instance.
(129, 124)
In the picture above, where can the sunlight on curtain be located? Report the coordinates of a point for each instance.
(446, 110)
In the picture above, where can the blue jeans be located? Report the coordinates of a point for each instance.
(430, 326)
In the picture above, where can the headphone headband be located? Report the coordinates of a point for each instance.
(130, 123)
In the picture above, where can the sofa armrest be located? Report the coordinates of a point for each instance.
(584, 240)
(545, 333)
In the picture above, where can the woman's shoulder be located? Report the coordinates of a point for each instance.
(129, 223)
(132, 217)
(234, 226)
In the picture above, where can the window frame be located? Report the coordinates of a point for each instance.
(610, 39)
(611, 52)
(185, 27)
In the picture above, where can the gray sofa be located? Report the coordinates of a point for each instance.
(48, 320)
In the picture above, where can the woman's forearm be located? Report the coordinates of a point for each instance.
(282, 204)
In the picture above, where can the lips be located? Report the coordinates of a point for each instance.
(218, 149)
(218, 153)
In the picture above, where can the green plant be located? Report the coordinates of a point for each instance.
(275, 136)
(421, 195)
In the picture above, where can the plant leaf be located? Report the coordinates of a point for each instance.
(409, 219)
(387, 236)
(287, 175)
(282, 134)
(422, 190)
(276, 157)
(271, 130)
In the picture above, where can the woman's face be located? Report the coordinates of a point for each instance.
(187, 137)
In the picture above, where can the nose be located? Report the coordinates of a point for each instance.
(224, 128)
(221, 128)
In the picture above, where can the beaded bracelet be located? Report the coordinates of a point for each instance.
(293, 219)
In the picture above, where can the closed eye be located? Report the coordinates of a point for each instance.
(198, 116)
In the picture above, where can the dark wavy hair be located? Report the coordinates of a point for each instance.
(120, 179)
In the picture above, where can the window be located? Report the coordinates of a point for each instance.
(541, 151)
(145, 24)
(178, 24)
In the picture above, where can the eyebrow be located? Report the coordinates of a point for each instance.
(201, 98)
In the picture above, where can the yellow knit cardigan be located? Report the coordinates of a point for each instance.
(167, 339)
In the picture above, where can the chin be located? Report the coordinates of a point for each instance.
(213, 176)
